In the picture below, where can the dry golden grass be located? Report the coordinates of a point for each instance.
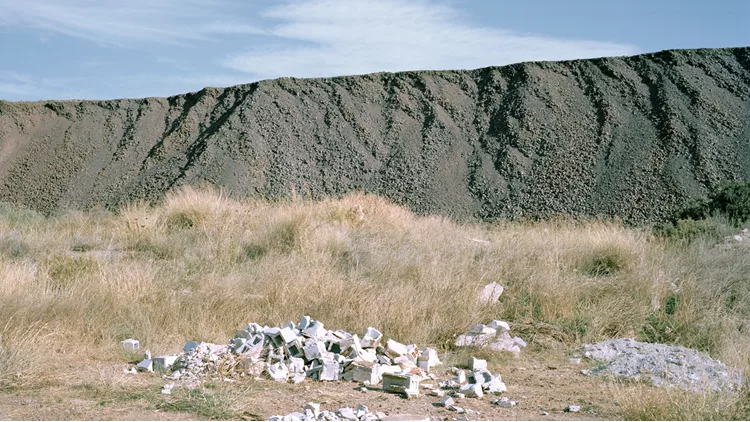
(201, 265)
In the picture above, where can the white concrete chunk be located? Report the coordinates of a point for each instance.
(500, 326)
(395, 349)
(164, 363)
(130, 345)
(477, 364)
(491, 293)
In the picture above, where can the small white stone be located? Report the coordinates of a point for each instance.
(491, 293)
(573, 408)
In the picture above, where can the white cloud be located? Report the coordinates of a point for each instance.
(122, 22)
(391, 35)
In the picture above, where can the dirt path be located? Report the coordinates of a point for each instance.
(539, 386)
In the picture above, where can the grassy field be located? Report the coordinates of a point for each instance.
(200, 265)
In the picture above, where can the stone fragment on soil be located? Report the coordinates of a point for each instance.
(491, 293)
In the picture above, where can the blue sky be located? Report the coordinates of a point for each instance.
(100, 49)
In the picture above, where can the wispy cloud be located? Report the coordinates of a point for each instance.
(122, 22)
(390, 35)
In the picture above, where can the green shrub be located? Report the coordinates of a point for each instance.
(733, 200)
(689, 230)
(606, 260)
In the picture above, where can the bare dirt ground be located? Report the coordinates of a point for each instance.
(542, 387)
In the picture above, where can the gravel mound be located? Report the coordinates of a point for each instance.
(634, 137)
(662, 365)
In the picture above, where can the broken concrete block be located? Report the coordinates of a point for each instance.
(491, 293)
(500, 326)
(304, 323)
(482, 377)
(436, 393)
(371, 338)
(351, 342)
(423, 363)
(431, 355)
(403, 362)
(519, 341)
(398, 383)
(296, 365)
(411, 394)
(496, 386)
(574, 408)
(481, 329)
(384, 360)
(164, 363)
(461, 377)
(146, 365)
(477, 364)
(369, 374)
(313, 407)
(447, 402)
(130, 345)
(316, 330)
(190, 346)
(347, 413)
(299, 378)
(395, 349)
(278, 372)
(331, 370)
(388, 369)
(295, 348)
(288, 335)
(362, 410)
(472, 390)
(314, 350)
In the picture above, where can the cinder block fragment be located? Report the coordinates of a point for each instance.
(472, 390)
(501, 326)
(146, 365)
(395, 349)
(316, 330)
(164, 363)
(399, 383)
(363, 373)
(447, 402)
(371, 338)
(131, 345)
(304, 323)
(477, 364)
(331, 370)
(190, 346)
(314, 350)
(288, 335)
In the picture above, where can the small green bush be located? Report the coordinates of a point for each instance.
(689, 230)
(606, 260)
(733, 200)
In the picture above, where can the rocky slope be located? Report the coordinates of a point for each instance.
(633, 137)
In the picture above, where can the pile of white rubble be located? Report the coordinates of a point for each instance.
(295, 352)
(495, 336)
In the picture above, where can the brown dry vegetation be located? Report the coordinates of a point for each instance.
(201, 265)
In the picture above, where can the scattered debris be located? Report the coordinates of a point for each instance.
(663, 365)
(494, 335)
(312, 412)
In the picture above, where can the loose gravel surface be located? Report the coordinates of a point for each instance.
(662, 365)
